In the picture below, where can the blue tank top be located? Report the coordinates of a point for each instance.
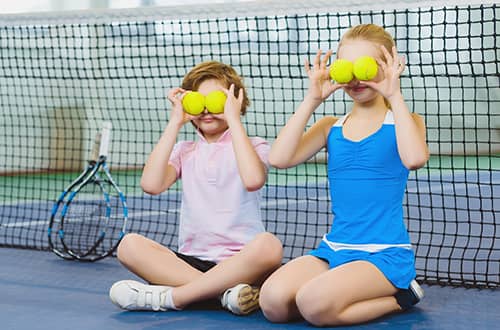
(367, 183)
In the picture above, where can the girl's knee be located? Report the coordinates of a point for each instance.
(318, 309)
(274, 302)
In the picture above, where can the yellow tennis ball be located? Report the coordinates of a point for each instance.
(365, 68)
(193, 103)
(215, 101)
(341, 71)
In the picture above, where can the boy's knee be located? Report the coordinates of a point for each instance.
(268, 249)
(127, 246)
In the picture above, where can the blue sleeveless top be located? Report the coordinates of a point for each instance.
(367, 183)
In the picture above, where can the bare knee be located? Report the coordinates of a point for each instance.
(275, 301)
(128, 249)
(267, 250)
(318, 309)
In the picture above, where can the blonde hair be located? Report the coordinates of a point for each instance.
(369, 32)
(221, 72)
(372, 33)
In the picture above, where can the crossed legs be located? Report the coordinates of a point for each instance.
(157, 264)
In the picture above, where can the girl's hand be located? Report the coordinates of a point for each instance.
(232, 107)
(177, 114)
(320, 84)
(392, 66)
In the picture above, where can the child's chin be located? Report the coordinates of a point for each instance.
(210, 128)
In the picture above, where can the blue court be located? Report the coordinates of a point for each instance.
(41, 291)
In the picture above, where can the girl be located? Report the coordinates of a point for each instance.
(364, 267)
(223, 246)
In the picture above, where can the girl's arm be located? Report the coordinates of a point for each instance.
(293, 146)
(410, 135)
(410, 128)
(158, 175)
(253, 171)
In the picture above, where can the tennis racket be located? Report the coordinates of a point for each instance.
(89, 218)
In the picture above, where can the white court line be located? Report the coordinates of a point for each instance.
(276, 202)
(45, 222)
(267, 204)
(448, 187)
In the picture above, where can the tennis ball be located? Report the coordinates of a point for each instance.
(215, 101)
(341, 71)
(365, 68)
(193, 103)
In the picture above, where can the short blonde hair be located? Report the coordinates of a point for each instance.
(221, 72)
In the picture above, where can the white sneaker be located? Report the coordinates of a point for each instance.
(136, 296)
(241, 299)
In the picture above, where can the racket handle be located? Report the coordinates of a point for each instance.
(105, 139)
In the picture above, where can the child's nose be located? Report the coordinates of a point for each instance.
(354, 81)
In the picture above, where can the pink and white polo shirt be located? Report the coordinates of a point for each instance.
(218, 215)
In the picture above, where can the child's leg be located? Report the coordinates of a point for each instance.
(251, 265)
(349, 294)
(278, 293)
(154, 262)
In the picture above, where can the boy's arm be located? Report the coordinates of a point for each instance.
(253, 171)
(158, 175)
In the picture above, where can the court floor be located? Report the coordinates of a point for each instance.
(40, 291)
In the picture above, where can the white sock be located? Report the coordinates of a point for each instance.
(169, 301)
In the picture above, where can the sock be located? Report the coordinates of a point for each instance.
(169, 301)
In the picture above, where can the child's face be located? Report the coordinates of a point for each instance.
(212, 126)
(351, 50)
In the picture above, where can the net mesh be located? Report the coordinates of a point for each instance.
(59, 80)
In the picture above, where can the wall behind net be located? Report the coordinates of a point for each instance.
(59, 79)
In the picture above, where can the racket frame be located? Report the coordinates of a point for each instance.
(61, 200)
(89, 176)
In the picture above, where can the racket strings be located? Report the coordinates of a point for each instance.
(114, 225)
(94, 219)
(85, 219)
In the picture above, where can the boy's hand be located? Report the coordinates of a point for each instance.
(177, 114)
(232, 108)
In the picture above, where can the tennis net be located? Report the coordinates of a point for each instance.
(62, 75)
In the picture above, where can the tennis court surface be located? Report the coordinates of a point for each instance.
(63, 75)
(41, 291)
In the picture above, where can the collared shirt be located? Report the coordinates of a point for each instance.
(218, 215)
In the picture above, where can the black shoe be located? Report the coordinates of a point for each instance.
(407, 298)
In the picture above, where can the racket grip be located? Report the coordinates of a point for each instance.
(105, 139)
